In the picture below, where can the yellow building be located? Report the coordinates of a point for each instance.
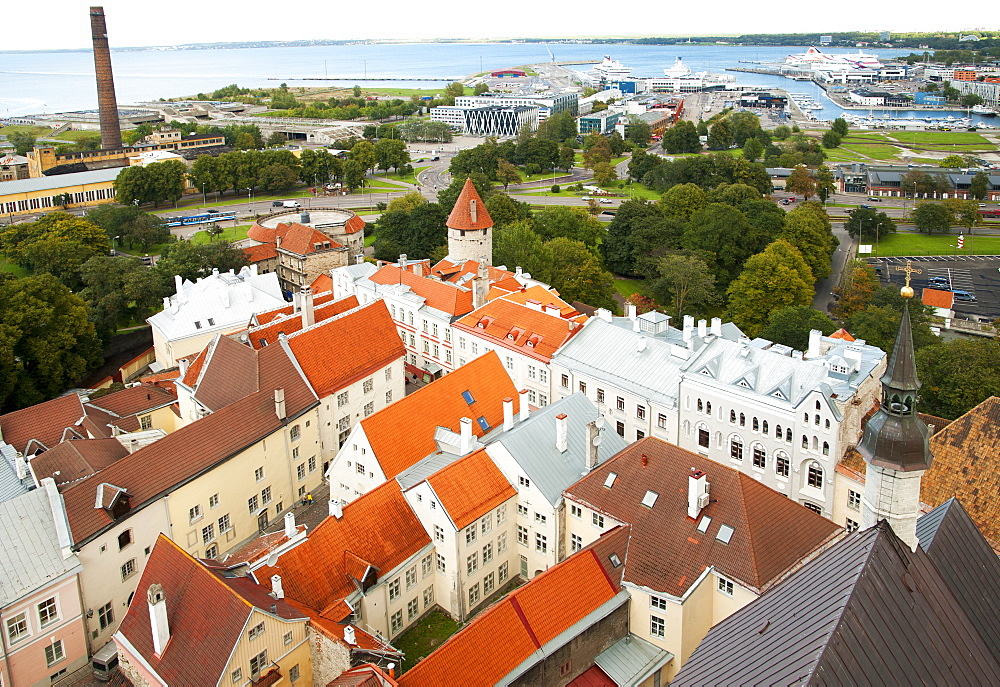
(69, 191)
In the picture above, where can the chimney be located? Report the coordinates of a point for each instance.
(702, 328)
(402, 261)
(603, 314)
(308, 310)
(472, 210)
(179, 285)
(225, 299)
(630, 311)
(111, 132)
(641, 344)
(349, 635)
(279, 403)
(336, 509)
(523, 402)
(697, 492)
(290, 524)
(466, 432)
(481, 284)
(717, 326)
(593, 444)
(158, 617)
(508, 414)
(562, 425)
(276, 591)
(645, 460)
(21, 465)
(688, 327)
(418, 269)
(277, 242)
(296, 302)
(814, 341)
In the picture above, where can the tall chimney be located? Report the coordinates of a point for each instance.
(276, 591)
(336, 509)
(688, 330)
(525, 412)
(349, 635)
(279, 403)
(717, 326)
(466, 429)
(290, 524)
(592, 448)
(158, 615)
(508, 414)
(702, 328)
(179, 285)
(562, 424)
(111, 132)
(697, 492)
(308, 309)
(472, 210)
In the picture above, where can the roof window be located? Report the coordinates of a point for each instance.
(197, 324)
(615, 560)
(725, 534)
(467, 395)
(649, 499)
(483, 424)
(703, 525)
(609, 481)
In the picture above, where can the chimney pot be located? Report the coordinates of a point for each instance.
(702, 328)
(279, 403)
(158, 617)
(290, 524)
(336, 509)
(349, 635)
(308, 309)
(717, 326)
(593, 449)
(562, 428)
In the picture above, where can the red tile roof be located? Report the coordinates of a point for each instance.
(465, 505)
(179, 456)
(593, 677)
(937, 298)
(343, 349)
(194, 368)
(470, 211)
(322, 284)
(772, 533)
(165, 380)
(319, 298)
(366, 675)
(45, 423)
(206, 613)
(447, 270)
(525, 619)
(324, 307)
(134, 400)
(448, 298)
(842, 334)
(302, 239)
(403, 433)
(540, 295)
(76, 459)
(354, 225)
(262, 251)
(378, 527)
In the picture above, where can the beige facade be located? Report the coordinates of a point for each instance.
(295, 271)
(283, 642)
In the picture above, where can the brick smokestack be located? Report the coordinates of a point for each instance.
(111, 133)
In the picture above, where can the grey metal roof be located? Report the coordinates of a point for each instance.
(532, 444)
(10, 485)
(631, 660)
(868, 611)
(59, 181)
(30, 550)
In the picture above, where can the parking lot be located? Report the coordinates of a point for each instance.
(978, 275)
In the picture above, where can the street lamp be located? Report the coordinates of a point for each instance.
(204, 198)
(249, 200)
(114, 245)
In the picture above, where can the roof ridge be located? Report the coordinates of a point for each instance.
(516, 605)
(742, 479)
(197, 564)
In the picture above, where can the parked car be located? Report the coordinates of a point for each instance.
(964, 296)
(604, 201)
(875, 199)
(866, 207)
(276, 204)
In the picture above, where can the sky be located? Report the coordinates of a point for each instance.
(65, 23)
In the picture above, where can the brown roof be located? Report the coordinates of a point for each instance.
(366, 675)
(527, 618)
(465, 505)
(470, 211)
(403, 432)
(378, 528)
(43, 424)
(178, 457)
(319, 297)
(262, 251)
(206, 613)
(134, 400)
(772, 533)
(77, 459)
(290, 323)
(842, 334)
(303, 240)
(449, 298)
(937, 298)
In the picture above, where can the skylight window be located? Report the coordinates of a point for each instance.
(725, 534)
(703, 525)
(483, 424)
(649, 499)
(467, 395)
(615, 560)
(609, 481)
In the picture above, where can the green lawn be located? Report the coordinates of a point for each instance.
(864, 137)
(842, 155)
(386, 185)
(228, 234)
(626, 287)
(938, 244)
(412, 178)
(940, 138)
(75, 136)
(876, 151)
(428, 634)
(33, 130)
(7, 267)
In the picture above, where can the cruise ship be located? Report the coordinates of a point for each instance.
(817, 60)
(612, 70)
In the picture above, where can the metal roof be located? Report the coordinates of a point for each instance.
(631, 660)
(10, 485)
(59, 181)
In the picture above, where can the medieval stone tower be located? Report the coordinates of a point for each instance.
(111, 133)
(470, 228)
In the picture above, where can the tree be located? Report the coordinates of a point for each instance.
(971, 100)
(505, 210)
(617, 143)
(417, 233)
(801, 182)
(276, 139)
(868, 223)
(572, 223)
(191, 261)
(918, 182)
(277, 177)
(804, 230)
(599, 151)
(356, 90)
(518, 245)
(958, 375)
(480, 89)
(753, 149)
(604, 173)
(577, 275)
(507, 173)
(979, 186)
(119, 290)
(840, 126)
(57, 243)
(448, 196)
(683, 200)
(721, 232)
(682, 137)
(791, 326)
(952, 162)
(933, 218)
(567, 157)
(638, 131)
(129, 225)
(363, 153)
(391, 152)
(857, 290)
(831, 139)
(964, 212)
(720, 136)
(46, 340)
(685, 281)
(781, 132)
(825, 185)
(772, 280)
(23, 141)
(354, 174)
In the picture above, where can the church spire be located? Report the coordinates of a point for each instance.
(894, 444)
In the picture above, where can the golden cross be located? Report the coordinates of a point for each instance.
(910, 270)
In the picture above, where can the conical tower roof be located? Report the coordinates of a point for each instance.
(469, 212)
(895, 437)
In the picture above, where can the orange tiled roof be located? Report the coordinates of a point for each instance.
(539, 294)
(469, 203)
(289, 323)
(465, 505)
(442, 296)
(322, 284)
(937, 298)
(302, 239)
(194, 368)
(378, 527)
(165, 380)
(446, 270)
(771, 533)
(354, 225)
(842, 334)
(403, 433)
(343, 349)
(207, 613)
(319, 297)
(526, 619)
(262, 251)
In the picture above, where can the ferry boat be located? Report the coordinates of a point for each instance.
(679, 70)
(612, 70)
(983, 111)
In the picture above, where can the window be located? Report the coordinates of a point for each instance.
(575, 510)
(368, 385)
(732, 417)
(17, 627)
(440, 563)
(813, 507)
(657, 602)
(224, 524)
(541, 519)
(657, 626)
(486, 523)
(661, 421)
(640, 412)
(438, 533)
(369, 408)
(300, 471)
(487, 553)
(424, 325)
(238, 675)
(293, 672)
(412, 609)
(788, 435)
(759, 457)
(256, 631)
(124, 539)
(212, 552)
(470, 534)
(128, 569)
(701, 406)
(523, 481)
(388, 374)
(621, 403)
(106, 615)
(598, 520)
(600, 395)
(428, 597)
(522, 535)
(194, 513)
(781, 465)
(472, 563)
(342, 399)
(474, 594)
(502, 572)
(726, 586)
(736, 449)
(294, 433)
(489, 583)
(756, 425)
(522, 510)
(54, 653)
(145, 422)
(265, 495)
(826, 448)
(620, 428)
(208, 533)
(411, 577)
(541, 543)
(815, 476)
(575, 543)
(501, 542)
(501, 514)
(312, 463)
(853, 500)
(213, 501)
(388, 397)
(743, 420)
(258, 663)
(394, 590)
(703, 437)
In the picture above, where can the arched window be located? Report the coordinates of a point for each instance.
(818, 405)
(756, 425)
(815, 444)
(736, 448)
(708, 407)
(827, 425)
(732, 416)
(805, 441)
(777, 431)
(816, 421)
(743, 420)
(701, 406)
(805, 418)
(826, 448)
(814, 477)
(759, 456)
(764, 427)
(788, 435)
(781, 464)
